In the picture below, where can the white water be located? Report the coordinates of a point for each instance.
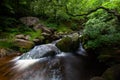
(35, 66)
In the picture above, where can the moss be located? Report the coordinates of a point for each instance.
(69, 44)
(65, 44)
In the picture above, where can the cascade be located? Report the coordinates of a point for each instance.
(47, 62)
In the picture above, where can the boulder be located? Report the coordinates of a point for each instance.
(69, 43)
(22, 36)
(42, 28)
(23, 43)
(65, 44)
(27, 37)
(29, 21)
(109, 55)
(112, 73)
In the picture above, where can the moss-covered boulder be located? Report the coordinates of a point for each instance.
(75, 41)
(112, 73)
(69, 43)
(65, 44)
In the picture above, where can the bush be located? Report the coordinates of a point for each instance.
(98, 33)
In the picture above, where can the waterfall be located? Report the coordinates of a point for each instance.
(47, 62)
(43, 62)
(40, 51)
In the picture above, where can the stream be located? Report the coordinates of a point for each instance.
(47, 62)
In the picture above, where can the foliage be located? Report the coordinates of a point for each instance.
(101, 27)
(34, 35)
(64, 29)
(6, 44)
(98, 32)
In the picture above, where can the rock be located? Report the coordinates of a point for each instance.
(36, 40)
(6, 52)
(69, 43)
(55, 37)
(75, 39)
(45, 34)
(65, 44)
(48, 38)
(45, 50)
(3, 52)
(27, 37)
(112, 73)
(42, 28)
(97, 78)
(29, 21)
(109, 55)
(20, 36)
(23, 43)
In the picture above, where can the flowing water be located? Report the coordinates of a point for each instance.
(47, 62)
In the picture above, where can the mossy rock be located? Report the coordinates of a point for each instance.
(69, 43)
(112, 73)
(65, 44)
(75, 40)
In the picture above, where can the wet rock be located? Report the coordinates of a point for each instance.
(112, 73)
(69, 43)
(29, 21)
(40, 51)
(23, 43)
(97, 78)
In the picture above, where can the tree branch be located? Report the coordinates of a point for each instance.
(115, 13)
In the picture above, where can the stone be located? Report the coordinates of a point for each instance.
(36, 40)
(29, 21)
(6, 52)
(65, 44)
(3, 52)
(112, 73)
(20, 36)
(45, 34)
(27, 37)
(69, 43)
(23, 43)
(42, 28)
(109, 55)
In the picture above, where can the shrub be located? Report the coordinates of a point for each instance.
(98, 33)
